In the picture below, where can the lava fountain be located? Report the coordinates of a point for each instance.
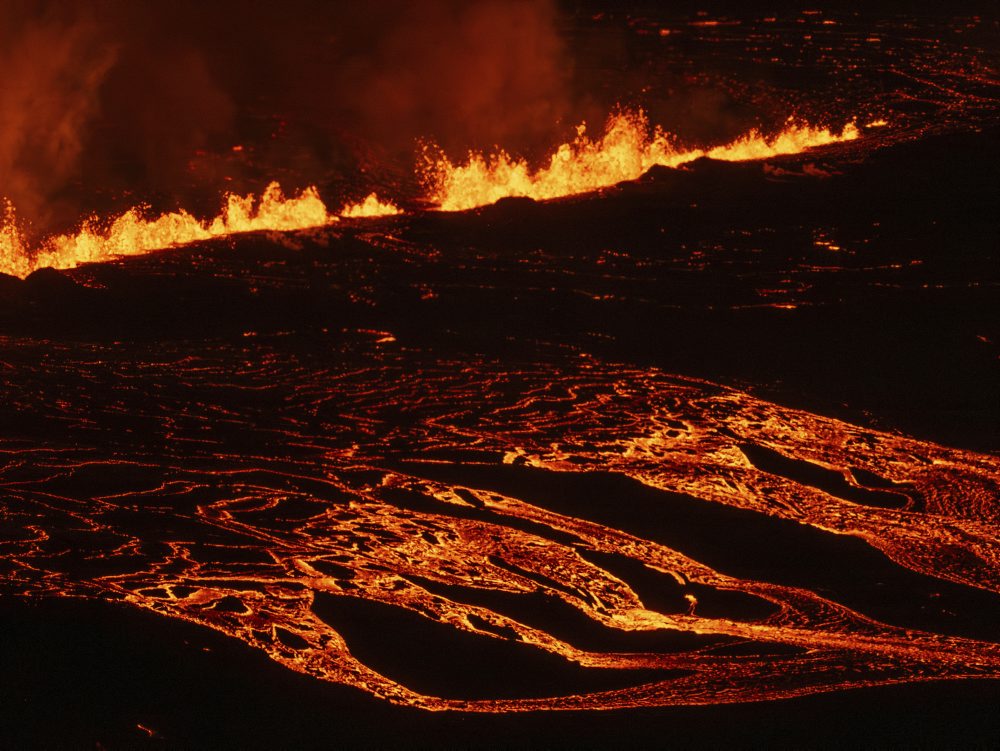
(133, 233)
(628, 147)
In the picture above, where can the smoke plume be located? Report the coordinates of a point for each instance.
(106, 103)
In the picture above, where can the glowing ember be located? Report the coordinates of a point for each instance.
(371, 206)
(625, 151)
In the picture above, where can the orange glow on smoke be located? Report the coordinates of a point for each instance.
(132, 233)
(627, 149)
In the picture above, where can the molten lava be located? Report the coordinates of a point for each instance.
(132, 233)
(276, 544)
(371, 206)
(627, 149)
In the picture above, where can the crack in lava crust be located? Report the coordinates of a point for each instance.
(495, 505)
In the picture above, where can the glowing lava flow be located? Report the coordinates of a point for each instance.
(133, 234)
(593, 521)
(626, 150)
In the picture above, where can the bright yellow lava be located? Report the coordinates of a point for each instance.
(371, 206)
(627, 149)
(132, 233)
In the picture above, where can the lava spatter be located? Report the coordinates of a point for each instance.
(624, 152)
(628, 147)
(134, 232)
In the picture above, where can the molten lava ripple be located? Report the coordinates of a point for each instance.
(620, 537)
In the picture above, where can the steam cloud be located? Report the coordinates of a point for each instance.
(53, 64)
(105, 103)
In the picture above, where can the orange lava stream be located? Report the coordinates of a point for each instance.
(627, 149)
(272, 547)
(132, 233)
